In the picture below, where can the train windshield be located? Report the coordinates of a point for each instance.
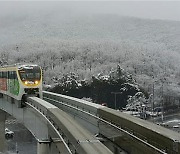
(30, 73)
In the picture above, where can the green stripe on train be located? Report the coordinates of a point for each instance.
(13, 86)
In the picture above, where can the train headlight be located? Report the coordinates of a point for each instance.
(36, 82)
(26, 82)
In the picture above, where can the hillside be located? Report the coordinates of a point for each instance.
(15, 29)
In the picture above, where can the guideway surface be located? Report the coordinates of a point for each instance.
(78, 139)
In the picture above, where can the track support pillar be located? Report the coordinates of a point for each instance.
(43, 147)
(3, 145)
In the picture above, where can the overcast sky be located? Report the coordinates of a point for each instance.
(169, 10)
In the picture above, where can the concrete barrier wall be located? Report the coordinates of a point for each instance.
(79, 103)
(160, 137)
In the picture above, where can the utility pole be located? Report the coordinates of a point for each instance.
(115, 103)
(152, 107)
(162, 115)
(153, 100)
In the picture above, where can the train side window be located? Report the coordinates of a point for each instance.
(0, 74)
(10, 75)
(15, 75)
(4, 75)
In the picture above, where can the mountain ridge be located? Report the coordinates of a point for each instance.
(93, 27)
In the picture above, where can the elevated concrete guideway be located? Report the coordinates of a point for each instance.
(55, 131)
(131, 134)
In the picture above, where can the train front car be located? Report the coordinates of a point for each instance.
(30, 81)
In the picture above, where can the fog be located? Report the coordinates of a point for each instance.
(165, 10)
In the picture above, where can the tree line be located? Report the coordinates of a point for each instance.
(101, 88)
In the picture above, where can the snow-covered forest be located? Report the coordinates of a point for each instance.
(95, 45)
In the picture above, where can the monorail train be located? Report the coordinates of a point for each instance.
(20, 80)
